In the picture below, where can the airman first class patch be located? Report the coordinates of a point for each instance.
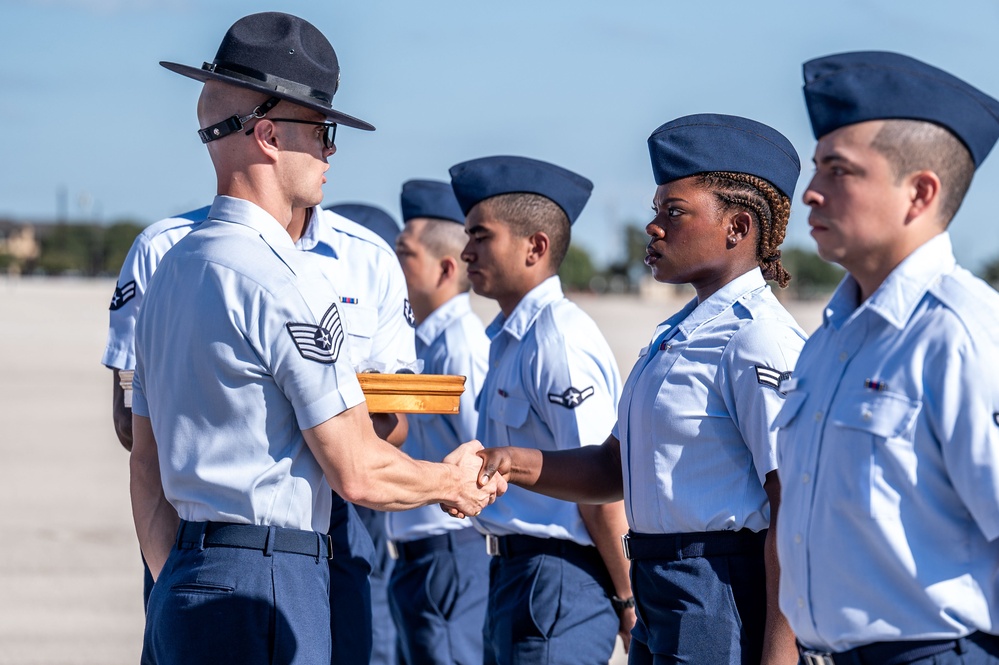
(319, 343)
(768, 376)
(122, 294)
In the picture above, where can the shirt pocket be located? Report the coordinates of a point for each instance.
(362, 323)
(510, 414)
(791, 408)
(877, 430)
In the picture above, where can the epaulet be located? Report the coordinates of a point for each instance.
(972, 299)
(341, 224)
(190, 218)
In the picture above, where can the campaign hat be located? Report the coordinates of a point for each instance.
(430, 198)
(708, 142)
(847, 88)
(479, 179)
(280, 55)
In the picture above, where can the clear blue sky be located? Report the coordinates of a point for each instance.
(87, 110)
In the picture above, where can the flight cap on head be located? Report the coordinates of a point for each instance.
(848, 88)
(370, 217)
(430, 198)
(279, 55)
(713, 142)
(479, 179)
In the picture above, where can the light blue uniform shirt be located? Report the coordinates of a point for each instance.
(240, 353)
(140, 263)
(450, 341)
(372, 290)
(553, 384)
(695, 418)
(889, 462)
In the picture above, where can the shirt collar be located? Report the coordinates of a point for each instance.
(720, 301)
(318, 230)
(241, 211)
(439, 319)
(523, 315)
(903, 289)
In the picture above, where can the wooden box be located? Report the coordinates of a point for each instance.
(412, 393)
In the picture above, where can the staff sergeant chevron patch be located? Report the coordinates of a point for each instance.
(122, 294)
(571, 397)
(320, 343)
(768, 376)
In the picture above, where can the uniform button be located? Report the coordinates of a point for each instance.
(805, 477)
(797, 539)
(867, 415)
(818, 416)
(843, 356)
(801, 602)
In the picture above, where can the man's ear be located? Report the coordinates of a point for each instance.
(924, 193)
(538, 245)
(266, 137)
(448, 267)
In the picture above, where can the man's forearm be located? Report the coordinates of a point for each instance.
(606, 524)
(778, 639)
(121, 415)
(155, 519)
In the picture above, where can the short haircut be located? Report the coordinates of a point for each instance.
(441, 238)
(527, 214)
(914, 145)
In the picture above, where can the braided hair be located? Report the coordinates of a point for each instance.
(769, 207)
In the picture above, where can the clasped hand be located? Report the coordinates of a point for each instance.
(477, 489)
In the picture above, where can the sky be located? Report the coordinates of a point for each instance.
(96, 129)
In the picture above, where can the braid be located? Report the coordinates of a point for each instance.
(770, 208)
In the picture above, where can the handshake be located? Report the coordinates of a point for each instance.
(482, 473)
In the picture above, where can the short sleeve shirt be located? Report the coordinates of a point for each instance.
(889, 460)
(696, 415)
(373, 298)
(241, 352)
(450, 341)
(148, 248)
(553, 384)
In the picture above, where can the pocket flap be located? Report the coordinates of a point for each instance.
(887, 415)
(511, 411)
(792, 405)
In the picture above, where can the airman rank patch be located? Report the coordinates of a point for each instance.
(407, 311)
(122, 294)
(768, 376)
(995, 418)
(320, 343)
(571, 398)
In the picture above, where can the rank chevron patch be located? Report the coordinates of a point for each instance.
(319, 343)
(122, 294)
(768, 376)
(570, 398)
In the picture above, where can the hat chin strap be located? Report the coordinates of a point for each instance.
(235, 123)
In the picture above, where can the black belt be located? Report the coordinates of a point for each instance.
(894, 653)
(267, 539)
(450, 541)
(678, 546)
(521, 545)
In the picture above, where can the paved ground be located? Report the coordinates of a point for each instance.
(70, 575)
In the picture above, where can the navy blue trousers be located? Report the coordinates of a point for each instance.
(385, 648)
(350, 592)
(439, 599)
(699, 610)
(232, 605)
(546, 609)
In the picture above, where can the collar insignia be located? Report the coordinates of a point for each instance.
(319, 343)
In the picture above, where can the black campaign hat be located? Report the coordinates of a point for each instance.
(280, 55)
(848, 88)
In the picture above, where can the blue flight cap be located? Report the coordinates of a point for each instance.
(712, 142)
(370, 217)
(430, 198)
(482, 178)
(848, 88)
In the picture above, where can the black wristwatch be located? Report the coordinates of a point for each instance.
(621, 604)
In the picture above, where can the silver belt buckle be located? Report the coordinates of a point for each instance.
(492, 545)
(809, 657)
(626, 546)
(393, 550)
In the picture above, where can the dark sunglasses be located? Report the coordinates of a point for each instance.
(328, 137)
